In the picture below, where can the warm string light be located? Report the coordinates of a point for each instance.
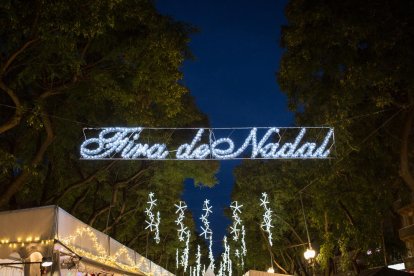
(153, 222)
(20, 242)
(102, 254)
(206, 231)
(267, 217)
(123, 143)
(91, 235)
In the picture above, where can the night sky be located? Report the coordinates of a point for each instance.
(233, 79)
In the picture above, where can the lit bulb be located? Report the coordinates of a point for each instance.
(270, 270)
(309, 254)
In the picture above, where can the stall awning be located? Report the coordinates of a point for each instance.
(37, 229)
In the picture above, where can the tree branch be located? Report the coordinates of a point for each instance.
(104, 209)
(18, 114)
(291, 228)
(269, 248)
(131, 242)
(98, 213)
(21, 180)
(79, 184)
(79, 200)
(119, 218)
(347, 213)
(10, 60)
(124, 183)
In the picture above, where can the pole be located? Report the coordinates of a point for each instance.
(304, 218)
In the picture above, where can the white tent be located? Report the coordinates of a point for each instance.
(28, 235)
(263, 273)
(210, 271)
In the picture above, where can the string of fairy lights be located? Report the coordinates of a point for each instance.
(153, 221)
(267, 217)
(235, 251)
(238, 231)
(183, 235)
(206, 230)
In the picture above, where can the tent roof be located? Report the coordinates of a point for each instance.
(37, 229)
(383, 271)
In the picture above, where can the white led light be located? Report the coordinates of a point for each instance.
(221, 268)
(177, 261)
(123, 143)
(234, 229)
(184, 151)
(226, 265)
(237, 228)
(198, 261)
(179, 221)
(243, 247)
(206, 231)
(267, 217)
(153, 222)
(186, 251)
(210, 252)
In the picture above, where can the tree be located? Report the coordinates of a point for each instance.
(67, 65)
(347, 65)
(352, 69)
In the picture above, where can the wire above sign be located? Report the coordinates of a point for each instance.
(140, 143)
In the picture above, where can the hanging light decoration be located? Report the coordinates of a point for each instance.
(177, 261)
(198, 261)
(236, 229)
(182, 229)
(181, 207)
(267, 217)
(206, 231)
(153, 222)
(186, 251)
(243, 246)
(227, 263)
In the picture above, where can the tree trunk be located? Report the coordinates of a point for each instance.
(269, 248)
(405, 171)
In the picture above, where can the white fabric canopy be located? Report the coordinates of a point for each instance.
(36, 230)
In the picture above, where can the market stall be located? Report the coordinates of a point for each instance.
(30, 238)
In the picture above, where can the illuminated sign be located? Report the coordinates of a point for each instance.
(237, 143)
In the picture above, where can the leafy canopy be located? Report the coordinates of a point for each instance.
(65, 65)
